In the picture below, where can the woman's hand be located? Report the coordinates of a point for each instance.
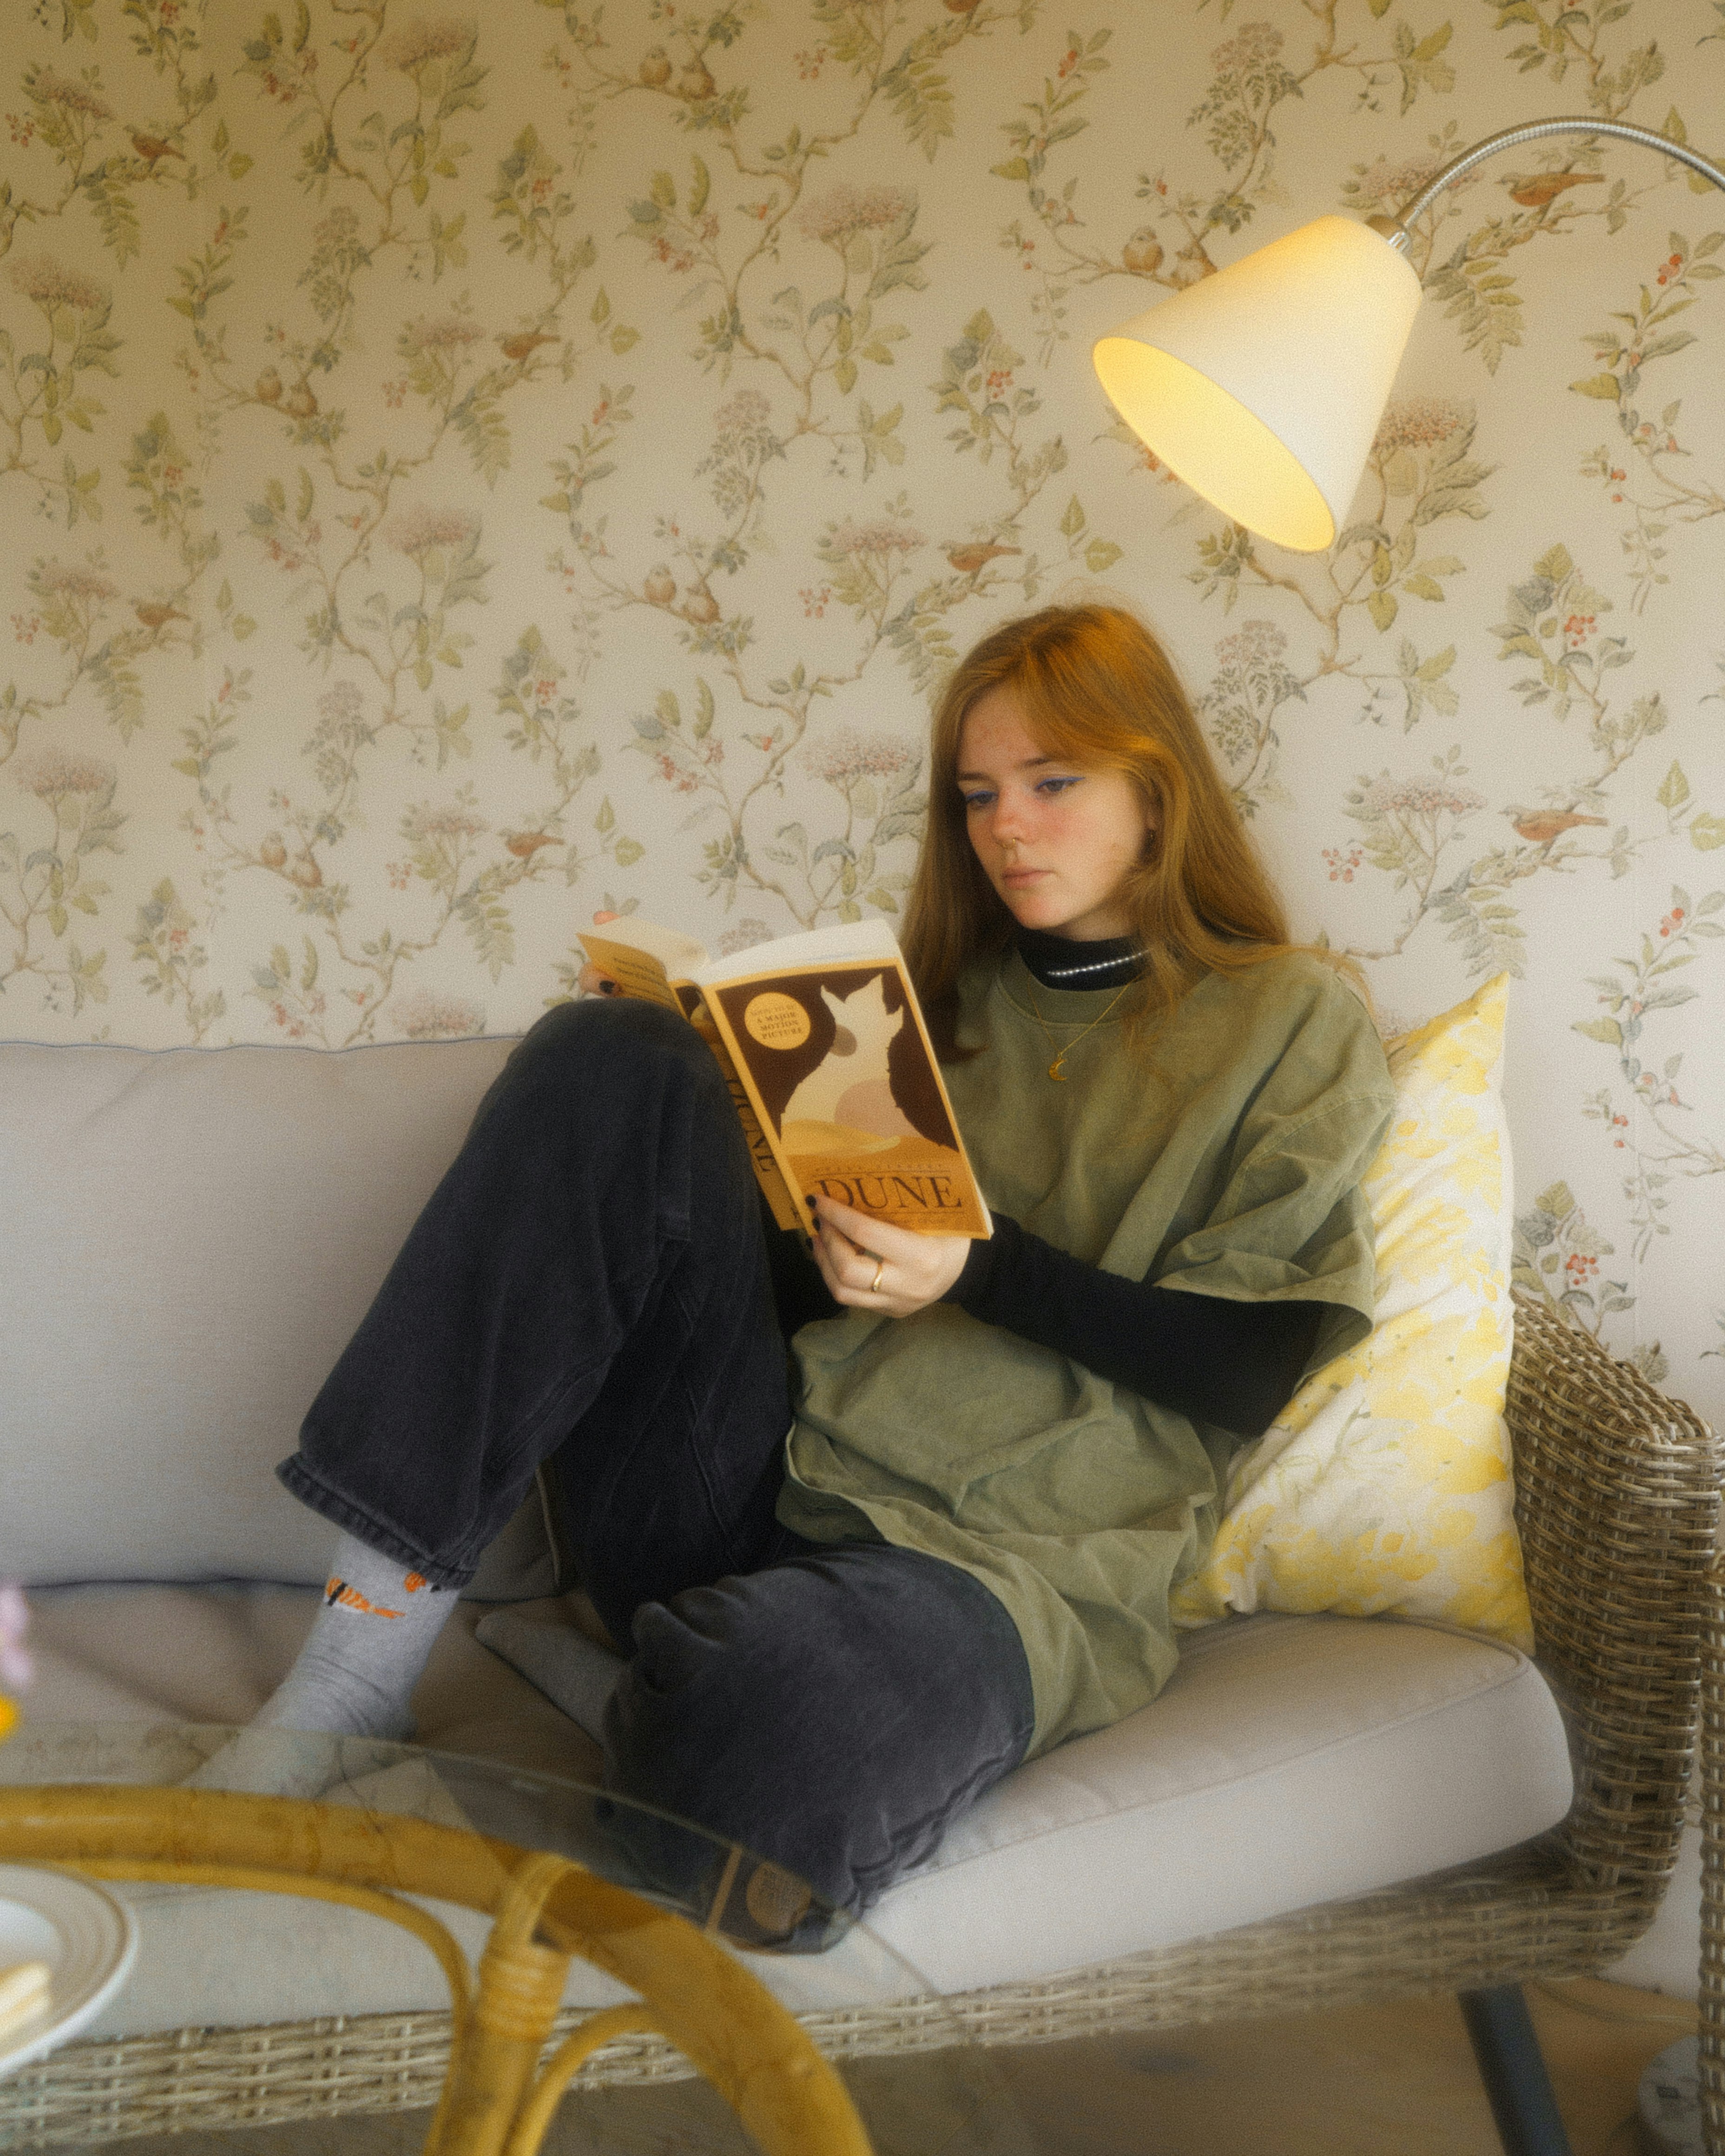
(856, 1251)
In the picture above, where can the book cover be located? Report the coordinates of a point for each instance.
(826, 1034)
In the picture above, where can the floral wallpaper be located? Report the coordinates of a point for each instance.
(467, 474)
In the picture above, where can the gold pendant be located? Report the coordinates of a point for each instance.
(1054, 1070)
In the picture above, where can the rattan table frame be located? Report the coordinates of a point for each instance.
(504, 2076)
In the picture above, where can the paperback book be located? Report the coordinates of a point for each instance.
(826, 1055)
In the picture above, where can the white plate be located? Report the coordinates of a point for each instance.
(87, 1938)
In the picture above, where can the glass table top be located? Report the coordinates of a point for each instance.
(921, 2087)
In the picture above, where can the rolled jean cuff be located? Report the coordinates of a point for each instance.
(342, 1512)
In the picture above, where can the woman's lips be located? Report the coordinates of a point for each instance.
(1022, 876)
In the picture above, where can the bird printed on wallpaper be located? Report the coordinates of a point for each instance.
(700, 607)
(655, 70)
(1191, 263)
(1143, 252)
(153, 148)
(299, 402)
(522, 344)
(267, 388)
(1543, 825)
(157, 614)
(1539, 188)
(970, 557)
(271, 851)
(694, 84)
(306, 872)
(524, 844)
(660, 587)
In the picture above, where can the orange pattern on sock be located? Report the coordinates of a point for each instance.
(339, 1595)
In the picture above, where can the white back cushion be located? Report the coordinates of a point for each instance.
(187, 1238)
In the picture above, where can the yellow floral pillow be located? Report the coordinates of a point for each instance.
(1385, 1485)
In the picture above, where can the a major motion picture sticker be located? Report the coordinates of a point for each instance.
(776, 1021)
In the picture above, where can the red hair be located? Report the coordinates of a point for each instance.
(1096, 686)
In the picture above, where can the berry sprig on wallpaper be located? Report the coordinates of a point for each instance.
(1664, 490)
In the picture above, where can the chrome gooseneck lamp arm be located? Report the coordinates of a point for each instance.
(1394, 228)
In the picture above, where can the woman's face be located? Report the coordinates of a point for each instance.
(1057, 840)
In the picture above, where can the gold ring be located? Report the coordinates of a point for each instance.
(874, 1284)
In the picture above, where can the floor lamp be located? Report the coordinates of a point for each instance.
(1261, 387)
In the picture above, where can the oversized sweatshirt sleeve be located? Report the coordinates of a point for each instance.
(1290, 1222)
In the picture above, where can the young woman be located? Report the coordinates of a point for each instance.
(1002, 1455)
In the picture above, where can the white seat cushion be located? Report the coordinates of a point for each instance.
(1290, 1760)
(154, 1655)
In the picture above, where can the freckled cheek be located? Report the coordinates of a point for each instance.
(1070, 832)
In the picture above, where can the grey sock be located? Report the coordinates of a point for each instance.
(358, 1669)
(575, 1673)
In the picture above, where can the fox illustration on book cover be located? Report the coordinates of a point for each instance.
(845, 1104)
(843, 1071)
(827, 1060)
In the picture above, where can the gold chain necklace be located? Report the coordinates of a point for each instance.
(1055, 1071)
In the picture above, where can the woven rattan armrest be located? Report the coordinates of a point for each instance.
(1617, 1497)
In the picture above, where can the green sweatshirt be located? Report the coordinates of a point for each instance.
(1219, 1152)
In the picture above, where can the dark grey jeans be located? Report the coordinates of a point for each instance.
(589, 1286)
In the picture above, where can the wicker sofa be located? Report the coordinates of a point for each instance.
(193, 1235)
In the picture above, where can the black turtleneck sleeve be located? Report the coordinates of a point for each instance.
(1235, 1364)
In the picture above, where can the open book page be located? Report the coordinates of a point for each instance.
(654, 965)
(644, 959)
(826, 1034)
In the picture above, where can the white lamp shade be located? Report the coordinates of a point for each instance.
(1262, 386)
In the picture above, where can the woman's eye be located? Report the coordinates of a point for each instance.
(978, 800)
(1053, 786)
